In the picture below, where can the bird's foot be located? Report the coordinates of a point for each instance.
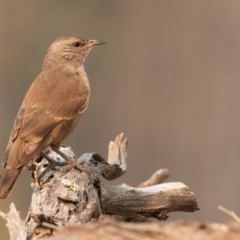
(65, 166)
(70, 163)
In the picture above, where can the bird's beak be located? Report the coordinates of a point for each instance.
(92, 43)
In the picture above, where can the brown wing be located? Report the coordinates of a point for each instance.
(48, 114)
(14, 133)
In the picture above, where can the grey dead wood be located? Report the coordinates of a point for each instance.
(71, 196)
(17, 228)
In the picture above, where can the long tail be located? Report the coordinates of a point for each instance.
(8, 177)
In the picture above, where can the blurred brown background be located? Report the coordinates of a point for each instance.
(168, 77)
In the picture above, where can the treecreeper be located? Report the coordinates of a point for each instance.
(51, 108)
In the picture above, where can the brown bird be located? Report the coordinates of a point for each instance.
(51, 108)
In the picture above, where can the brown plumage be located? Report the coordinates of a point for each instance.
(51, 108)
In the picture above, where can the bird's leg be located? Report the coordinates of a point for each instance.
(69, 164)
(51, 165)
(69, 161)
(51, 161)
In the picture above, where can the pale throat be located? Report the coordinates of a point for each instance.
(81, 72)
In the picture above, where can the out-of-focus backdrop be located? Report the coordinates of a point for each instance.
(168, 77)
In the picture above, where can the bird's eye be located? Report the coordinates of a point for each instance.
(77, 44)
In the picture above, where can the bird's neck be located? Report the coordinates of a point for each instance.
(69, 67)
(53, 62)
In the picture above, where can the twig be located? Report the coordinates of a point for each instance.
(158, 177)
(230, 213)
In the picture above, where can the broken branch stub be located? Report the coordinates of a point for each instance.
(17, 228)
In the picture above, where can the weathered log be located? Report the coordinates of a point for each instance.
(64, 195)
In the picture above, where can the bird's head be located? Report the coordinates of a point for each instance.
(70, 48)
